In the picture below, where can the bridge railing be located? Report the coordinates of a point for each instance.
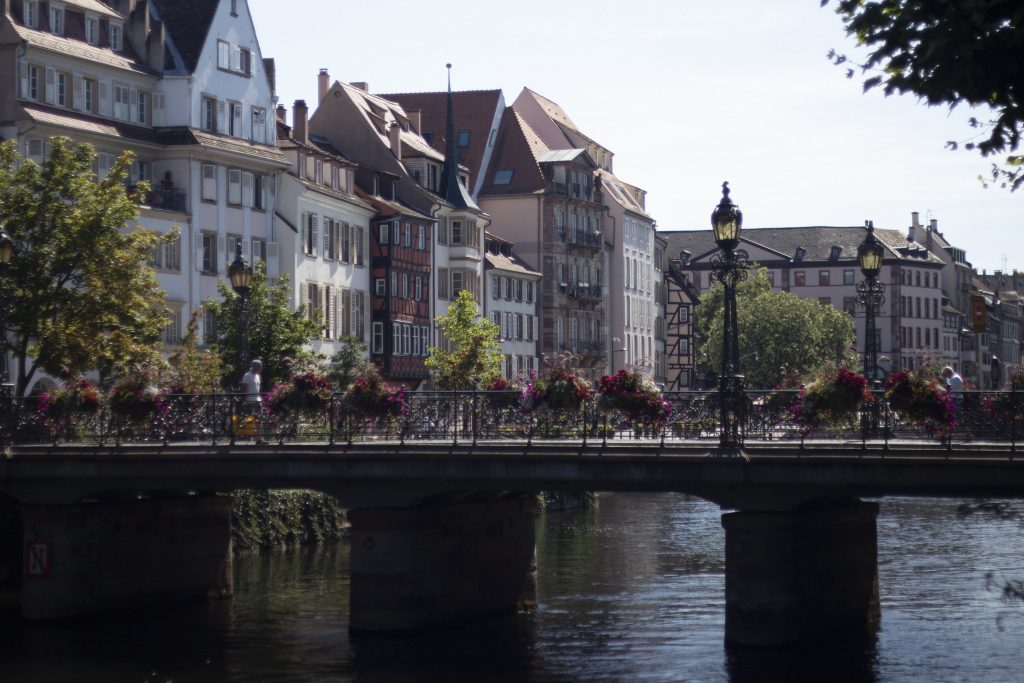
(475, 416)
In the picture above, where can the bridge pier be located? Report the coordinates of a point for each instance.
(800, 575)
(428, 565)
(94, 557)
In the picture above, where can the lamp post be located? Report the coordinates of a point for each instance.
(729, 268)
(871, 295)
(240, 274)
(6, 254)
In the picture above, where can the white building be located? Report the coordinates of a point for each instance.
(511, 300)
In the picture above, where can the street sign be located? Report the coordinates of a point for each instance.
(37, 559)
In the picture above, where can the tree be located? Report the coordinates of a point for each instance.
(349, 362)
(276, 333)
(948, 53)
(472, 359)
(78, 295)
(192, 369)
(779, 332)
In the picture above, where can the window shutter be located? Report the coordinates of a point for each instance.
(536, 328)
(314, 238)
(134, 100)
(76, 92)
(328, 311)
(221, 248)
(199, 252)
(51, 78)
(273, 260)
(328, 235)
(304, 298)
(105, 105)
(222, 117)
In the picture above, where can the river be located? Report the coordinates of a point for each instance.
(630, 591)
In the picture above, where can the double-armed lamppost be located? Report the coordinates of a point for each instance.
(871, 295)
(240, 274)
(729, 268)
(6, 254)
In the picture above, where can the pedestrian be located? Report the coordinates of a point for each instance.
(954, 382)
(253, 401)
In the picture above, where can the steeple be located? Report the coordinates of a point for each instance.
(451, 189)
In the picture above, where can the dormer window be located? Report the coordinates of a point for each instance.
(92, 29)
(116, 37)
(56, 19)
(30, 13)
(800, 253)
(834, 254)
(503, 176)
(462, 139)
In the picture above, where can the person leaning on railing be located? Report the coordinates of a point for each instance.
(252, 406)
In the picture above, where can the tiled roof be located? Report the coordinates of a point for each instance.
(474, 112)
(188, 22)
(227, 143)
(94, 6)
(90, 124)
(80, 49)
(516, 150)
(388, 207)
(552, 109)
(817, 242)
(620, 193)
(512, 264)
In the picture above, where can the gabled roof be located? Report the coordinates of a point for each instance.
(474, 112)
(817, 243)
(517, 150)
(511, 263)
(188, 23)
(620, 192)
(552, 109)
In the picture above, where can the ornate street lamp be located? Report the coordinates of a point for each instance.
(871, 295)
(729, 268)
(6, 254)
(240, 274)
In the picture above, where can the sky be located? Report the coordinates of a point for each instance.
(687, 94)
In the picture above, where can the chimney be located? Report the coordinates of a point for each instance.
(282, 114)
(395, 137)
(155, 44)
(323, 82)
(416, 118)
(915, 219)
(300, 121)
(362, 85)
(136, 30)
(934, 225)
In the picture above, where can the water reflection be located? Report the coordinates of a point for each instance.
(631, 591)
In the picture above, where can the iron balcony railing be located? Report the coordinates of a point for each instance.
(473, 416)
(584, 291)
(168, 200)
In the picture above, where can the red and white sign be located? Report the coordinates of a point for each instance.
(37, 559)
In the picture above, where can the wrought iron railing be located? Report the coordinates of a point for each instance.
(474, 416)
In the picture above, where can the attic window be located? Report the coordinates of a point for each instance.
(800, 253)
(503, 176)
(462, 139)
(428, 136)
(834, 255)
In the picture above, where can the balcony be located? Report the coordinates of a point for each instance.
(584, 347)
(585, 291)
(585, 238)
(167, 199)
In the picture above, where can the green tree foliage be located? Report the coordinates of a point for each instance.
(473, 357)
(348, 363)
(78, 294)
(949, 53)
(192, 369)
(276, 333)
(779, 332)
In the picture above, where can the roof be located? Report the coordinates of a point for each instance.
(816, 241)
(516, 150)
(80, 49)
(223, 143)
(85, 123)
(511, 263)
(552, 109)
(474, 112)
(619, 191)
(188, 22)
(387, 207)
(556, 155)
(94, 6)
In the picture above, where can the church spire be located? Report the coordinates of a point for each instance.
(451, 189)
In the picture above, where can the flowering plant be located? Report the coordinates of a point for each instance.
(833, 399)
(80, 396)
(368, 397)
(304, 391)
(137, 399)
(922, 401)
(634, 395)
(558, 387)
(505, 393)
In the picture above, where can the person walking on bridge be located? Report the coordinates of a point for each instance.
(253, 401)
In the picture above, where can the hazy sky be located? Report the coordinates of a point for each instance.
(686, 93)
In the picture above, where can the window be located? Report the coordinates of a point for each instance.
(421, 237)
(122, 102)
(394, 284)
(172, 330)
(259, 250)
(824, 278)
(235, 119)
(209, 120)
(503, 176)
(92, 29)
(405, 285)
(848, 277)
(408, 235)
(396, 234)
(30, 13)
(382, 237)
(232, 242)
(62, 88)
(141, 107)
(116, 37)
(234, 186)
(259, 199)
(318, 171)
(209, 182)
(309, 238)
(850, 305)
(167, 255)
(456, 232)
(378, 337)
(209, 252)
(799, 278)
(357, 245)
(209, 327)
(419, 288)
(462, 138)
(330, 239)
(458, 282)
(827, 301)
(56, 19)
(442, 283)
(529, 292)
(89, 95)
(247, 188)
